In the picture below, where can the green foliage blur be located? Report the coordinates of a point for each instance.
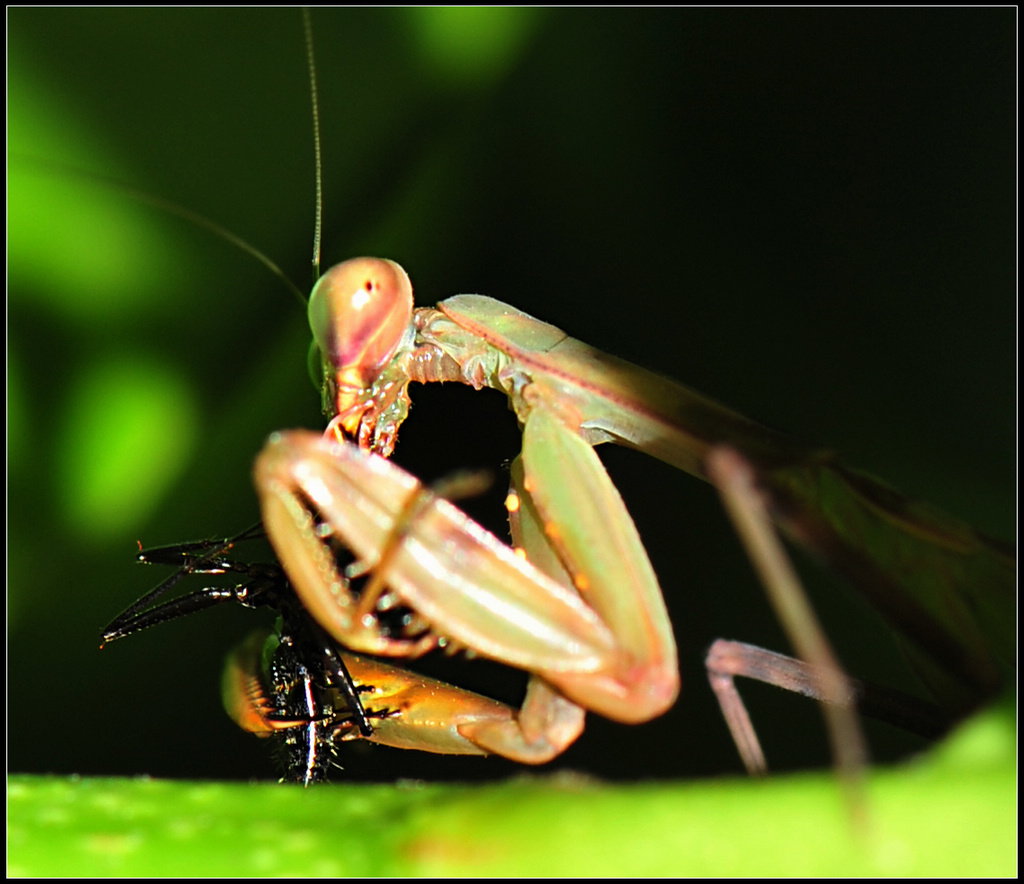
(808, 214)
(951, 813)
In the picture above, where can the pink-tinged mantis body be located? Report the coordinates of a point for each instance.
(589, 621)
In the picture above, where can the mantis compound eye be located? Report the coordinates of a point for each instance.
(359, 312)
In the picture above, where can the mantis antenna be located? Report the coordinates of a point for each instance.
(318, 211)
(173, 208)
(168, 206)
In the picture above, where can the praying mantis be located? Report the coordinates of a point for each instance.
(610, 646)
(516, 293)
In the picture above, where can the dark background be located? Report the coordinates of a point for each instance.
(808, 214)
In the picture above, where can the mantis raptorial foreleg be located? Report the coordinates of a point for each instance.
(602, 642)
(408, 711)
(296, 685)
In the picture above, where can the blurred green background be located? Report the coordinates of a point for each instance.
(808, 214)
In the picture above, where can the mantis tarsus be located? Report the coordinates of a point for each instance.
(424, 272)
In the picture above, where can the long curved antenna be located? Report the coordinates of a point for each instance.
(171, 208)
(311, 61)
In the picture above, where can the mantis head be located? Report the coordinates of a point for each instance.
(359, 312)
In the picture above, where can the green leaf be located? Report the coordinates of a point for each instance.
(952, 813)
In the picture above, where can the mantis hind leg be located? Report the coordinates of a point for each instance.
(735, 479)
(727, 660)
